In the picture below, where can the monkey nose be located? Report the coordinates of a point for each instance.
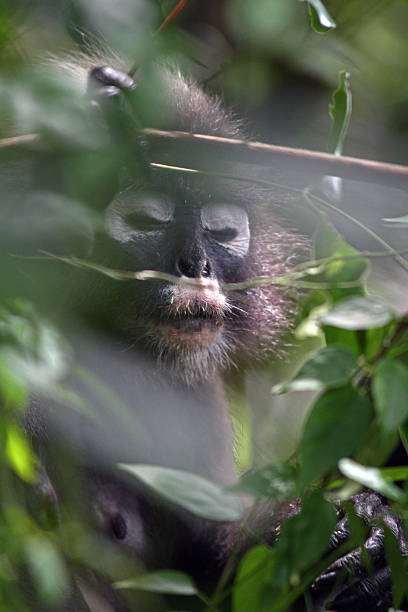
(193, 268)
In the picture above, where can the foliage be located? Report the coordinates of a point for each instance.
(359, 370)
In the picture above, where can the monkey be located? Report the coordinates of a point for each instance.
(165, 343)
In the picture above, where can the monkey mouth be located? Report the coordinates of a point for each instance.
(191, 332)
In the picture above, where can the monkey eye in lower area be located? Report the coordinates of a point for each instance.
(117, 526)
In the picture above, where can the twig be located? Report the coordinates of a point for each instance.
(291, 279)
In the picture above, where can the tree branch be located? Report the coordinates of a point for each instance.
(182, 147)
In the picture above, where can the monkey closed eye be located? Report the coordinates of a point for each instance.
(227, 224)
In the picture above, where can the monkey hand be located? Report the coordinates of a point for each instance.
(357, 588)
(107, 82)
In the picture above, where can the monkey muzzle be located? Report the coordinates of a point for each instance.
(193, 318)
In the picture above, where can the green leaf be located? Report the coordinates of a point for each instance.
(164, 581)
(397, 564)
(336, 426)
(357, 312)
(370, 477)
(276, 481)
(20, 455)
(255, 570)
(397, 221)
(340, 111)
(13, 392)
(300, 541)
(328, 242)
(328, 368)
(320, 18)
(48, 570)
(192, 492)
(390, 390)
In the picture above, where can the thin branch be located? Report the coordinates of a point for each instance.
(18, 141)
(284, 158)
(176, 11)
(181, 146)
(172, 15)
(295, 278)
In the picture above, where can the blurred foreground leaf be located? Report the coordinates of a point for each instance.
(165, 581)
(20, 455)
(370, 477)
(47, 569)
(276, 481)
(192, 492)
(355, 313)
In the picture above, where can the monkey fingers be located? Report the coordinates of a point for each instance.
(107, 81)
(362, 575)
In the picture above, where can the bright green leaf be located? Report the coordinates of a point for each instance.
(356, 313)
(193, 492)
(390, 390)
(255, 570)
(328, 368)
(165, 581)
(20, 455)
(370, 477)
(336, 426)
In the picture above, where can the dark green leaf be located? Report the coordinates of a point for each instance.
(320, 18)
(356, 313)
(397, 565)
(337, 425)
(164, 581)
(328, 368)
(276, 481)
(370, 477)
(300, 542)
(390, 390)
(193, 492)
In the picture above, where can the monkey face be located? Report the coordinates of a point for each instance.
(190, 233)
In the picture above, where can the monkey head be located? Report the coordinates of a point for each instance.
(206, 228)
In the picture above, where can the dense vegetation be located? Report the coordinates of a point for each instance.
(349, 355)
